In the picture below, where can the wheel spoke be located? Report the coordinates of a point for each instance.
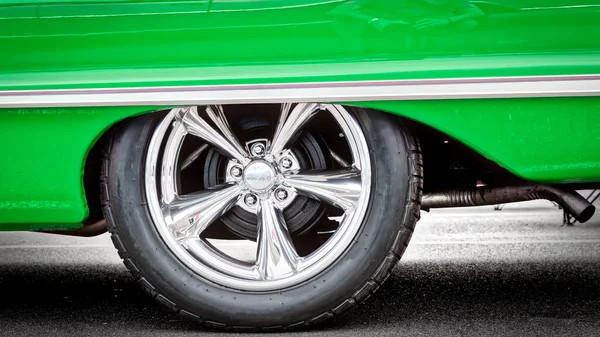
(226, 143)
(285, 112)
(216, 114)
(276, 255)
(340, 188)
(189, 215)
(289, 124)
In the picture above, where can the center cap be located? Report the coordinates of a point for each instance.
(259, 176)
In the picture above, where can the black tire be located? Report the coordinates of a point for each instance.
(388, 225)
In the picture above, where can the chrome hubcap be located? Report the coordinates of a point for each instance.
(263, 178)
(259, 176)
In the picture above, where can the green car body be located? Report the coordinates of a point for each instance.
(515, 81)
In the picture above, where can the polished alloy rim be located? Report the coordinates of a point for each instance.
(263, 177)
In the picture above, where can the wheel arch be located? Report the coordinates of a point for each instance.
(541, 139)
(485, 132)
(91, 164)
(428, 135)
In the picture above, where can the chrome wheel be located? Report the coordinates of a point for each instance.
(262, 178)
(320, 202)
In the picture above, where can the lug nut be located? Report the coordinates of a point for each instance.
(250, 199)
(236, 172)
(281, 194)
(258, 149)
(285, 162)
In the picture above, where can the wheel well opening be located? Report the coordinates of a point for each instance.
(91, 176)
(450, 164)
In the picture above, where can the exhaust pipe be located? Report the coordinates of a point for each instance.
(570, 201)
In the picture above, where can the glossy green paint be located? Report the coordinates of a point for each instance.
(42, 163)
(48, 44)
(89, 43)
(493, 65)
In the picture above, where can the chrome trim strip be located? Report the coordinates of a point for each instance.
(352, 91)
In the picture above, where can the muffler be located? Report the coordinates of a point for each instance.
(571, 201)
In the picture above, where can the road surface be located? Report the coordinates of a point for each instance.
(476, 272)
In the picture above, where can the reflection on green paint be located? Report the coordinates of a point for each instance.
(91, 35)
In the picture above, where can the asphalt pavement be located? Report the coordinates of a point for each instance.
(467, 272)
